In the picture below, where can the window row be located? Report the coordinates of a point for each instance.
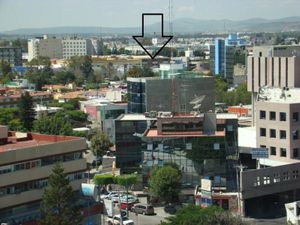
(40, 162)
(34, 185)
(273, 116)
(282, 133)
(277, 178)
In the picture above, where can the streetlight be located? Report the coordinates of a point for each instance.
(239, 170)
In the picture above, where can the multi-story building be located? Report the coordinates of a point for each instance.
(198, 143)
(11, 55)
(129, 129)
(11, 101)
(273, 72)
(173, 95)
(277, 123)
(76, 47)
(276, 51)
(45, 46)
(224, 54)
(26, 162)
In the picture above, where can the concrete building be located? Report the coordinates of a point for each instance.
(276, 51)
(277, 123)
(11, 55)
(26, 162)
(273, 72)
(45, 46)
(173, 95)
(76, 47)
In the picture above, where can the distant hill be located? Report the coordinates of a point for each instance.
(182, 25)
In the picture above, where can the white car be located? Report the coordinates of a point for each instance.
(116, 220)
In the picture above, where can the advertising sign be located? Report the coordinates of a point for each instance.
(260, 153)
(108, 207)
(206, 184)
(89, 190)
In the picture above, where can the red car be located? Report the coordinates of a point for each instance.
(123, 205)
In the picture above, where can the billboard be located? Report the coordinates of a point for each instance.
(89, 190)
(260, 153)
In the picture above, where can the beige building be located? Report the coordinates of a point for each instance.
(278, 123)
(273, 72)
(26, 161)
(276, 50)
(45, 46)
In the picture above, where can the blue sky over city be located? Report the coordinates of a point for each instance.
(122, 13)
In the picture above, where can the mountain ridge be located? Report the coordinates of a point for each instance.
(181, 25)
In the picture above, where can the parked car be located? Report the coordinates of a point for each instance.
(130, 205)
(116, 220)
(143, 209)
(131, 198)
(171, 208)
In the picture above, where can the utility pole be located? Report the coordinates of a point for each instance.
(239, 170)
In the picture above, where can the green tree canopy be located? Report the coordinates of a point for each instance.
(165, 183)
(100, 144)
(126, 180)
(26, 111)
(55, 125)
(5, 67)
(58, 200)
(194, 215)
(103, 179)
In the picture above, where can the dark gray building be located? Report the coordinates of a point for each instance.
(11, 55)
(129, 129)
(173, 95)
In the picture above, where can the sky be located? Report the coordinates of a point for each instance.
(16, 14)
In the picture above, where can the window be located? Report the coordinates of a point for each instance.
(262, 114)
(295, 174)
(282, 134)
(272, 115)
(283, 152)
(262, 132)
(295, 116)
(272, 133)
(282, 116)
(273, 150)
(295, 134)
(295, 152)
(216, 146)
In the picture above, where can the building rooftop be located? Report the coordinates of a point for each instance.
(134, 117)
(279, 95)
(15, 141)
(154, 133)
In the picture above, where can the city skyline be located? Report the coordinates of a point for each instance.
(37, 14)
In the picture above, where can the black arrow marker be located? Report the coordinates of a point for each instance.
(162, 34)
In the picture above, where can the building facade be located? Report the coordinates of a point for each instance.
(11, 55)
(224, 54)
(197, 143)
(76, 47)
(175, 95)
(45, 46)
(129, 129)
(26, 162)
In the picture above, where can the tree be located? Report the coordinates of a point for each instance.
(194, 215)
(100, 144)
(58, 201)
(26, 111)
(165, 183)
(5, 67)
(55, 125)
